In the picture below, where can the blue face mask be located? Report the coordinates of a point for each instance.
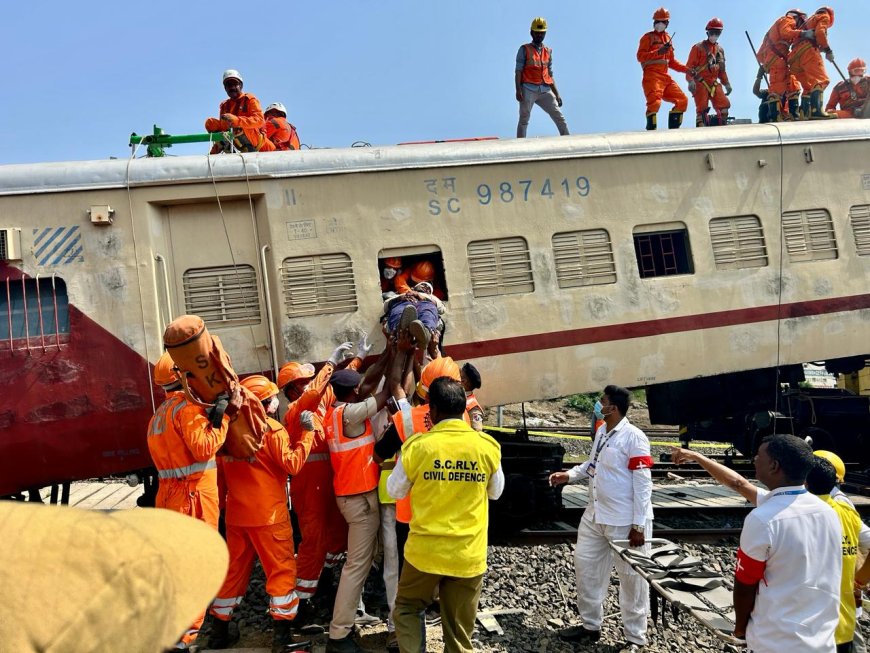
(597, 410)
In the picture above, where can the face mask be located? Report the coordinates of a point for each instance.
(597, 410)
(389, 273)
(659, 27)
(855, 79)
(273, 406)
(713, 38)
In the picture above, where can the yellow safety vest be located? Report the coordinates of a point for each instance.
(851, 522)
(449, 468)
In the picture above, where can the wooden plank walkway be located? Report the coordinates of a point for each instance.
(96, 495)
(682, 496)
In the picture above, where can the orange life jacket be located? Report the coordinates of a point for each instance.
(354, 468)
(281, 133)
(537, 68)
(471, 403)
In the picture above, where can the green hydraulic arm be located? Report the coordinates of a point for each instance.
(159, 140)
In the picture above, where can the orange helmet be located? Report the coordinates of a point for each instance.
(444, 366)
(661, 14)
(423, 271)
(293, 371)
(799, 16)
(393, 262)
(262, 387)
(715, 23)
(858, 66)
(828, 10)
(836, 461)
(164, 370)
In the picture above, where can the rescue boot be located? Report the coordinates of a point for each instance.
(773, 109)
(675, 119)
(804, 111)
(817, 106)
(282, 638)
(723, 118)
(223, 634)
(794, 108)
(651, 121)
(305, 619)
(701, 119)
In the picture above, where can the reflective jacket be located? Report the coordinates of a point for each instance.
(537, 68)
(354, 470)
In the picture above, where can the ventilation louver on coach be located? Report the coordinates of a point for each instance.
(10, 244)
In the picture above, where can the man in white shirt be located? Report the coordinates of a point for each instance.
(791, 542)
(619, 508)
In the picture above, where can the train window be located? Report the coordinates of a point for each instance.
(33, 308)
(584, 258)
(406, 262)
(662, 250)
(314, 285)
(223, 295)
(860, 218)
(809, 235)
(500, 267)
(738, 242)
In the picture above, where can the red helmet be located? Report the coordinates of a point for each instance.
(164, 370)
(294, 371)
(393, 262)
(262, 387)
(423, 271)
(828, 10)
(661, 14)
(715, 23)
(857, 65)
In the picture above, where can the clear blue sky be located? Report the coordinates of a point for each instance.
(81, 76)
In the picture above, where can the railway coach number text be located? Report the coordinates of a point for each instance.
(523, 189)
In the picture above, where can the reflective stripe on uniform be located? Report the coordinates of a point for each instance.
(335, 443)
(225, 606)
(287, 599)
(317, 458)
(187, 470)
(653, 61)
(407, 420)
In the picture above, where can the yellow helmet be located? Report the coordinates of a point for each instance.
(836, 461)
(539, 24)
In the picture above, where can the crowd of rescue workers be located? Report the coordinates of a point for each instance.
(391, 472)
(790, 64)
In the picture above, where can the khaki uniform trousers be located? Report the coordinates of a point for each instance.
(361, 513)
(459, 598)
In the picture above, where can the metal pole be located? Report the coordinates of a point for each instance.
(763, 74)
(499, 414)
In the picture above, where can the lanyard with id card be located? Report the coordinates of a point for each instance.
(590, 469)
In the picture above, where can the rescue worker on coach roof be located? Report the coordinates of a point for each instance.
(182, 441)
(852, 97)
(655, 52)
(805, 62)
(534, 81)
(241, 113)
(282, 134)
(258, 523)
(451, 472)
(773, 56)
(707, 77)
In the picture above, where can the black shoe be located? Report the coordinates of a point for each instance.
(650, 121)
(579, 634)
(343, 645)
(392, 642)
(223, 634)
(304, 622)
(675, 119)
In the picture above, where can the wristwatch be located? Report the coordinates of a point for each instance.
(638, 528)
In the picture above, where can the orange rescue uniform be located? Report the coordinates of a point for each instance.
(248, 124)
(182, 443)
(805, 60)
(706, 66)
(281, 133)
(842, 95)
(258, 522)
(658, 85)
(773, 54)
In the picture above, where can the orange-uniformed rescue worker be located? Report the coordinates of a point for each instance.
(351, 442)
(706, 64)
(450, 472)
(417, 273)
(258, 522)
(182, 441)
(282, 134)
(241, 113)
(805, 61)
(323, 529)
(773, 56)
(853, 96)
(534, 81)
(471, 381)
(655, 52)
(391, 268)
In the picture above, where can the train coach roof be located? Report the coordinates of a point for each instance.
(119, 173)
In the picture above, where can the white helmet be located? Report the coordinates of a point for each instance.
(277, 106)
(233, 74)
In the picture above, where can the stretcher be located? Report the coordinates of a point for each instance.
(683, 582)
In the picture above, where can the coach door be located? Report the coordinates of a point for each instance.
(215, 273)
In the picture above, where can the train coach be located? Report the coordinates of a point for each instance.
(565, 264)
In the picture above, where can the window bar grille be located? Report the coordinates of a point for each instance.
(669, 258)
(647, 261)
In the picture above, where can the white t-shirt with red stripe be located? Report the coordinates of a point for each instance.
(791, 546)
(620, 481)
